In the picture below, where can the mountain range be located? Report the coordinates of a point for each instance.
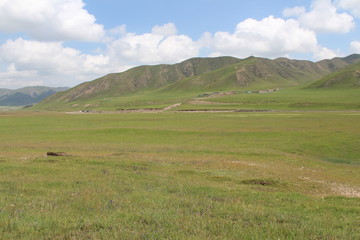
(26, 95)
(213, 74)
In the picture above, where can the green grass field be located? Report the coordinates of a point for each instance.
(170, 175)
(298, 99)
(288, 99)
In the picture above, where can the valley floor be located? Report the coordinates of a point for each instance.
(170, 175)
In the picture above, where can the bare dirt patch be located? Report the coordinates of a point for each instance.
(263, 182)
(336, 188)
(172, 106)
(345, 190)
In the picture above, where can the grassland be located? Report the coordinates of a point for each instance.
(272, 175)
(287, 99)
(293, 99)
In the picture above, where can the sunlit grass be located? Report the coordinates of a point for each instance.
(295, 99)
(290, 175)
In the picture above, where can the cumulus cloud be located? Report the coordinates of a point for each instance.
(352, 5)
(323, 17)
(35, 62)
(166, 30)
(48, 57)
(54, 20)
(54, 64)
(355, 46)
(162, 45)
(51, 59)
(324, 53)
(12, 78)
(269, 37)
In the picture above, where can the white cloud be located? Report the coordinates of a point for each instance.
(117, 31)
(166, 30)
(355, 47)
(270, 37)
(323, 17)
(324, 53)
(33, 62)
(295, 11)
(162, 45)
(352, 5)
(51, 62)
(12, 78)
(57, 65)
(54, 20)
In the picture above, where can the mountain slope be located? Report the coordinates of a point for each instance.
(4, 91)
(348, 77)
(254, 73)
(197, 75)
(26, 96)
(141, 78)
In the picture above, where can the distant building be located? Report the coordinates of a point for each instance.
(269, 90)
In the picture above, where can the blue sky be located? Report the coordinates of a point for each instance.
(66, 42)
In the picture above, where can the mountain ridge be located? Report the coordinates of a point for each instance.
(143, 77)
(203, 74)
(27, 95)
(348, 77)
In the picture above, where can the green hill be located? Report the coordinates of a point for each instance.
(255, 73)
(159, 85)
(141, 78)
(348, 77)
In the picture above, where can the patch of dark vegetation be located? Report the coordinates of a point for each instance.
(57, 154)
(93, 227)
(338, 160)
(262, 182)
(28, 106)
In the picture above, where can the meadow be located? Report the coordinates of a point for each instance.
(287, 99)
(171, 175)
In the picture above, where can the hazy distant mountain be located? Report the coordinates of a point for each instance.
(26, 95)
(4, 91)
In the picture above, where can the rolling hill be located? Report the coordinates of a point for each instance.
(255, 73)
(348, 77)
(193, 76)
(141, 78)
(26, 96)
